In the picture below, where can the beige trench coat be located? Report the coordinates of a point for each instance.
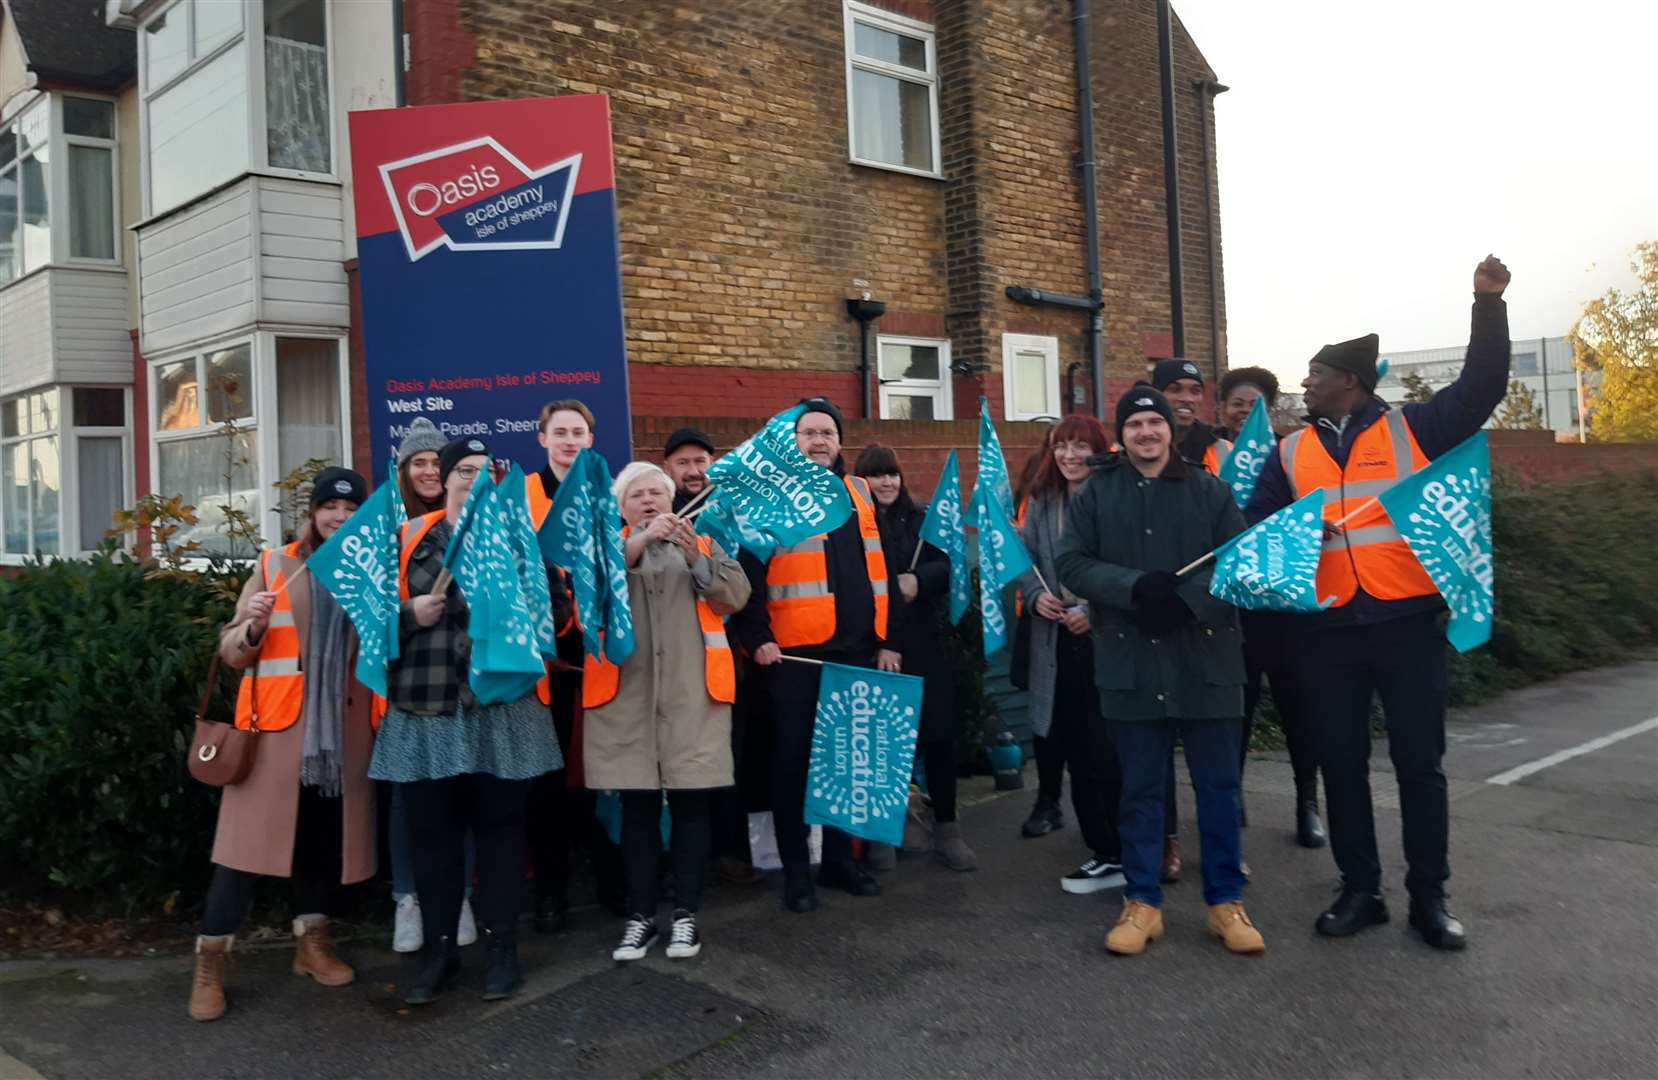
(257, 817)
(662, 730)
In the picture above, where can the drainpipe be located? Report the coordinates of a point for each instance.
(865, 311)
(1171, 177)
(1207, 91)
(1090, 205)
(399, 52)
(1543, 363)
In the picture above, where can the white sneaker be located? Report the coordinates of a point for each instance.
(683, 941)
(408, 935)
(638, 935)
(466, 931)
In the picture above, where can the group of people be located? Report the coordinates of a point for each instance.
(1127, 657)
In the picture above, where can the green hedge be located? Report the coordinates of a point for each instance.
(102, 664)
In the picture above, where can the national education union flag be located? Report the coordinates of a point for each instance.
(1256, 442)
(781, 491)
(506, 661)
(943, 529)
(1274, 565)
(731, 530)
(1002, 556)
(618, 615)
(569, 539)
(527, 560)
(1444, 513)
(358, 567)
(863, 749)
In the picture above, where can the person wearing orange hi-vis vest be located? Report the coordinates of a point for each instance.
(661, 720)
(824, 598)
(307, 809)
(1384, 630)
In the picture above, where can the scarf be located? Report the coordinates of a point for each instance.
(324, 709)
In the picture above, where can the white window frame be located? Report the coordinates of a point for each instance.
(938, 389)
(86, 543)
(252, 37)
(1049, 346)
(60, 181)
(267, 452)
(853, 13)
(8, 558)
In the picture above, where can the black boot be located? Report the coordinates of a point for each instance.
(552, 911)
(848, 876)
(1044, 818)
(426, 973)
(1438, 926)
(1353, 911)
(501, 977)
(1309, 827)
(799, 895)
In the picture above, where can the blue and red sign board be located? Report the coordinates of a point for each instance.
(491, 281)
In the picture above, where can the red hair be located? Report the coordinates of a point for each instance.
(1077, 427)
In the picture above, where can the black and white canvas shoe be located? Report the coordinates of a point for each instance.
(683, 940)
(1093, 876)
(638, 936)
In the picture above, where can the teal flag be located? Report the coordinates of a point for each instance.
(731, 529)
(1002, 556)
(1444, 514)
(863, 749)
(778, 489)
(569, 539)
(1274, 566)
(1256, 442)
(513, 517)
(358, 567)
(506, 662)
(942, 528)
(613, 579)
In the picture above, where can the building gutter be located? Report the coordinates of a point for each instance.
(1171, 177)
(1207, 91)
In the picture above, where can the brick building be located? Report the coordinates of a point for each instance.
(177, 242)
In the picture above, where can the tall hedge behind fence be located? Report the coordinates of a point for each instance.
(101, 665)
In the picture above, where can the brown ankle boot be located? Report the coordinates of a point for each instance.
(207, 990)
(315, 958)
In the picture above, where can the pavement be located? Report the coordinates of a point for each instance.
(1554, 805)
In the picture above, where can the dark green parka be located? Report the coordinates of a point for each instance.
(1123, 525)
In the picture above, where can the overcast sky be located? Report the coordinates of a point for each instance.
(1370, 154)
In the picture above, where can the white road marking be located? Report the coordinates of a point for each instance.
(1520, 772)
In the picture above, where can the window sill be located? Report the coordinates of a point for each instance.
(16, 281)
(905, 169)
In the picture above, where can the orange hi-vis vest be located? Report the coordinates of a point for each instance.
(540, 501)
(600, 679)
(798, 599)
(271, 696)
(1215, 455)
(409, 537)
(1369, 553)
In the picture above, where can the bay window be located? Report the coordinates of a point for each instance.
(57, 166)
(232, 86)
(31, 478)
(63, 469)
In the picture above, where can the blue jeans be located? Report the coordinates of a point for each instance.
(1143, 748)
(402, 858)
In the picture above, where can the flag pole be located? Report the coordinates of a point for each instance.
(707, 489)
(801, 659)
(1344, 519)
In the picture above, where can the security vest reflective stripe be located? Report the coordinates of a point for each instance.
(798, 599)
(409, 537)
(1369, 553)
(540, 501)
(600, 678)
(273, 692)
(1215, 456)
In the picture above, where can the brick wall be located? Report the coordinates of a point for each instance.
(744, 226)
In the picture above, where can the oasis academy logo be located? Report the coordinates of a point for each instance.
(477, 196)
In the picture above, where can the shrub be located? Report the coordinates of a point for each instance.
(102, 664)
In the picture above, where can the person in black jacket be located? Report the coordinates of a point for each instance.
(836, 614)
(1385, 632)
(918, 593)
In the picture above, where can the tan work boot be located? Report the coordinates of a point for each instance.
(313, 957)
(1138, 924)
(207, 990)
(1229, 923)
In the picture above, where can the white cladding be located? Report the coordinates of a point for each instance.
(64, 325)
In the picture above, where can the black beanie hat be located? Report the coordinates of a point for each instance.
(687, 436)
(1357, 356)
(452, 454)
(1142, 398)
(337, 483)
(829, 409)
(1168, 371)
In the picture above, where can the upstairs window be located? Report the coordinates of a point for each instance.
(891, 90)
(58, 185)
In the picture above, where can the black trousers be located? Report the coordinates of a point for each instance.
(1292, 718)
(688, 847)
(728, 818)
(315, 871)
(1078, 735)
(440, 812)
(563, 819)
(1341, 669)
(791, 693)
(938, 758)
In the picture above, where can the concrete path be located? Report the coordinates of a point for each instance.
(1555, 853)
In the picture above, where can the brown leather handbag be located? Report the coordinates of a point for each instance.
(222, 754)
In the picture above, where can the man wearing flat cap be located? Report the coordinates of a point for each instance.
(1385, 632)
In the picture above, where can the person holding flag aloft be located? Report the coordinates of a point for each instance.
(462, 763)
(823, 598)
(1383, 633)
(1168, 659)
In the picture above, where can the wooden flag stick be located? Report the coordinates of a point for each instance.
(707, 489)
(441, 585)
(801, 659)
(1344, 519)
(917, 556)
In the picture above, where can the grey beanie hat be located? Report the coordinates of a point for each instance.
(423, 435)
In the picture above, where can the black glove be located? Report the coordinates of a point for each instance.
(1153, 587)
